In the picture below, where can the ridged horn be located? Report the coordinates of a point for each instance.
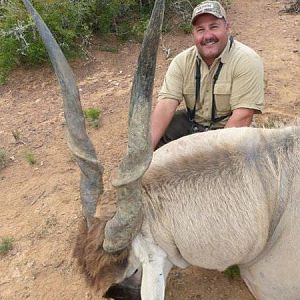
(125, 224)
(91, 184)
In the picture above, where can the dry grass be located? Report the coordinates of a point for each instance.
(293, 8)
(3, 158)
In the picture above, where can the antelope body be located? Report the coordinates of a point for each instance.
(211, 199)
(215, 199)
(228, 197)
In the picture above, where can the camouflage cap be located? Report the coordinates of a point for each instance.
(209, 7)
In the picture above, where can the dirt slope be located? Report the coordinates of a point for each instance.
(39, 204)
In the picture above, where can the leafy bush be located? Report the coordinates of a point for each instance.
(232, 272)
(3, 158)
(6, 244)
(73, 22)
(293, 8)
(29, 157)
(20, 41)
(92, 115)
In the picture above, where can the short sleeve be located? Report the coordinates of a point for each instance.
(172, 87)
(248, 83)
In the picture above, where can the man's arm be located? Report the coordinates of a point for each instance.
(247, 93)
(161, 118)
(241, 117)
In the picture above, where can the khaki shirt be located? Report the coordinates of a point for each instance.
(240, 83)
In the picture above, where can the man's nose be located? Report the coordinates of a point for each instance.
(207, 34)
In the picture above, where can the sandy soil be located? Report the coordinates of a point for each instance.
(40, 205)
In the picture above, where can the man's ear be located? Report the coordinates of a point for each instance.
(228, 26)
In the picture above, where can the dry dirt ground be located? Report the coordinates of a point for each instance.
(40, 206)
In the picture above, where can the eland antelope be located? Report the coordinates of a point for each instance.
(211, 199)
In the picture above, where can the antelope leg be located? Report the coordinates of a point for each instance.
(155, 266)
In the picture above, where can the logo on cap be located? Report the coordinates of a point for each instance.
(209, 7)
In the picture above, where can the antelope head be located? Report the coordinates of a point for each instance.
(105, 248)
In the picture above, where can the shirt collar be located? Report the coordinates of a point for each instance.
(224, 56)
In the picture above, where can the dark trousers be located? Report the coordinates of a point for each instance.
(179, 127)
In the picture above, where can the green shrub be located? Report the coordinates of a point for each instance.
(20, 41)
(6, 244)
(92, 116)
(186, 27)
(3, 158)
(232, 272)
(29, 157)
(8, 56)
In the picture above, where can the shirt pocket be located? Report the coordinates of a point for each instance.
(189, 96)
(222, 93)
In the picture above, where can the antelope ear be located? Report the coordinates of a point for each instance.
(110, 276)
(102, 269)
(108, 271)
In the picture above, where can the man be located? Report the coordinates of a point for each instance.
(219, 78)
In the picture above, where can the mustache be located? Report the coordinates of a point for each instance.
(207, 41)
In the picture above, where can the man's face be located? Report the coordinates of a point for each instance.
(210, 36)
